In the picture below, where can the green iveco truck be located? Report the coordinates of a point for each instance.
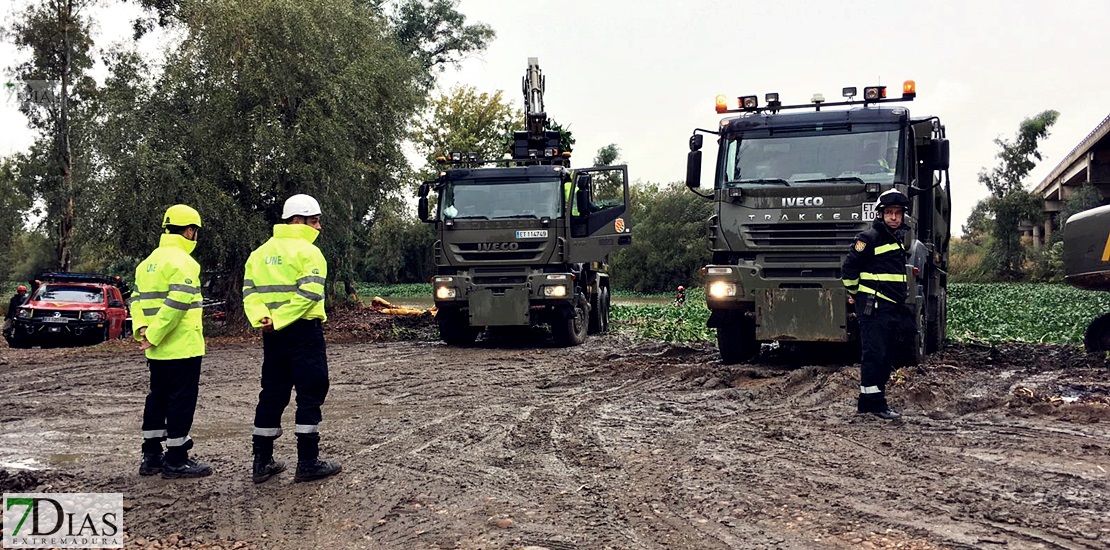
(794, 185)
(524, 241)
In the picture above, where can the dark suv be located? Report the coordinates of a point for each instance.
(69, 309)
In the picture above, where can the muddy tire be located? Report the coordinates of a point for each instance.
(572, 331)
(1097, 336)
(604, 309)
(596, 322)
(736, 341)
(455, 329)
(935, 324)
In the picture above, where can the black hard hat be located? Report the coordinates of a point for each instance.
(892, 197)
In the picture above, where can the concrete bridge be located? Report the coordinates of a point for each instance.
(1089, 162)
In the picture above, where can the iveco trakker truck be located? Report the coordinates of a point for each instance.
(525, 241)
(794, 185)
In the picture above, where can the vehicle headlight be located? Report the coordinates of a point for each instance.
(558, 276)
(718, 270)
(23, 313)
(445, 292)
(721, 289)
(92, 315)
(555, 291)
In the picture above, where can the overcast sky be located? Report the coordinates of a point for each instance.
(643, 73)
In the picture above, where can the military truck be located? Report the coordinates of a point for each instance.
(524, 241)
(1087, 265)
(794, 184)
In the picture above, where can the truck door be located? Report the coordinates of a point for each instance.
(598, 212)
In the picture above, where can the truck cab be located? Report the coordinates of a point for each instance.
(793, 186)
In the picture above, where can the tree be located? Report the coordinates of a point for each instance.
(466, 120)
(668, 244)
(434, 32)
(1010, 202)
(608, 184)
(260, 101)
(1084, 198)
(55, 91)
(13, 201)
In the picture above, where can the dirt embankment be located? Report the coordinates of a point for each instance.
(615, 444)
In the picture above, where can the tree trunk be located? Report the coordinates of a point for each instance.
(65, 225)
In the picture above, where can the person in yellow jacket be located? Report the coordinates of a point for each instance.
(166, 318)
(283, 294)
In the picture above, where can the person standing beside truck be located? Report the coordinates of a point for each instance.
(283, 294)
(18, 299)
(166, 317)
(874, 273)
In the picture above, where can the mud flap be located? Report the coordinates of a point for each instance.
(801, 314)
(498, 308)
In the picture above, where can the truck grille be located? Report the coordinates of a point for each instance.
(808, 235)
(38, 314)
(526, 251)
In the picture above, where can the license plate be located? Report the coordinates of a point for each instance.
(868, 211)
(55, 320)
(532, 234)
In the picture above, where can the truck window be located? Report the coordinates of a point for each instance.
(61, 293)
(811, 157)
(481, 200)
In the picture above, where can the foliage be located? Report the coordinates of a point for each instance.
(467, 121)
(1046, 263)
(410, 290)
(664, 322)
(965, 258)
(1010, 202)
(1086, 197)
(1044, 313)
(56, 94)
(434, 32)
(400, 250)
(668, 239)
(13, 201)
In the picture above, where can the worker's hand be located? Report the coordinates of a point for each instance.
(267, 324)
(142, 332)
(145, 345)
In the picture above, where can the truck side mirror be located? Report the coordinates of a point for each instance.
(582, 199)
(693, 168)
(695, 142)
(940, 154)
(422, 209)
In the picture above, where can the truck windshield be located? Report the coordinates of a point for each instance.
(58, 293)
(859, 157)
(486, 200)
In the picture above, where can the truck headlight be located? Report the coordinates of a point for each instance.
(92, 315)
(555, 291)
(718, 270)
(23, 313)
(445, 292)
(721, 289)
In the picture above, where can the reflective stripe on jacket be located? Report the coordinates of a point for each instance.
(284, 278)
(168, 301)
(876, 264)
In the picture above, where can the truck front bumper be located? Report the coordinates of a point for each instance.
(509, 299)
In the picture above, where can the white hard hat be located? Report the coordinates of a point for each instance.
(300, 205)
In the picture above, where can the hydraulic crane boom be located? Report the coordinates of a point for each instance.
(533, 83)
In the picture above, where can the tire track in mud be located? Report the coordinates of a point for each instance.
(609, 445)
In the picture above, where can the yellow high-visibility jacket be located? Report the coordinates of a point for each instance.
(284, 278)
(169, 301)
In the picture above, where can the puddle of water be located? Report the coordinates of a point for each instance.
(60, 459)
(25, 464)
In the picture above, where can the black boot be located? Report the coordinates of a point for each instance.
(266, 467)
(887, 414)
(309, 465)
(178, 465)
(317, 469)
(152, 464)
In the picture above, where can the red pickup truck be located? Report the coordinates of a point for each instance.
(70, 309)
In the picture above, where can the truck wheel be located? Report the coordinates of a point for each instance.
(605, 309)
(935, 326)
(572, 331)
(596, 323)
(736, 340)
(455, 329)
(1097, 337)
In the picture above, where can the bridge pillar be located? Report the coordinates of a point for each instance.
(1047, 228)
(1037, 238)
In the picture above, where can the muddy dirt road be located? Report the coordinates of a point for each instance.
(609, 445)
